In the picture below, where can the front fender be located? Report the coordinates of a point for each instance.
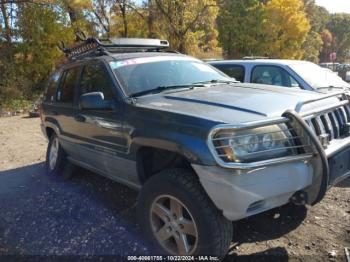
(194, 149)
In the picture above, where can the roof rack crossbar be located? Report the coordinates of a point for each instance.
(115, 45)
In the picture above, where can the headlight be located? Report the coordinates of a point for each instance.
(257, 144)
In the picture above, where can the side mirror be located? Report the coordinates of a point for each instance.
(94, 100)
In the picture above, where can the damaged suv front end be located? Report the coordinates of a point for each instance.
(293, 158)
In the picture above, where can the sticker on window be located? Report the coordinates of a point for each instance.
(143, 60)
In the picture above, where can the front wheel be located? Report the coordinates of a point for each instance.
(178, 217)
(57, 165)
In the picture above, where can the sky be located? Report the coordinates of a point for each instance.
(335, 6)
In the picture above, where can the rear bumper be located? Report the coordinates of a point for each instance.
(240, 194)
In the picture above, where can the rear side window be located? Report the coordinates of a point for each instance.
(65, 92)
(51, 87)
(235, 71)
(96, 79)
(272, 75)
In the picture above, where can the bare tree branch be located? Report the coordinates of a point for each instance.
(6, 23)
(101, 22)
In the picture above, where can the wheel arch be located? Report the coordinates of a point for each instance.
(50, 129)
(151, 160)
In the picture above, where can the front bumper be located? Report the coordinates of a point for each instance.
(241, 190)
(240, 194)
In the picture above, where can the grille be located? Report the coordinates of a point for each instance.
(333, 123)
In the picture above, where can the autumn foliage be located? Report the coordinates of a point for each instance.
(294, 29)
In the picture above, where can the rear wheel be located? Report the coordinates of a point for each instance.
(178, 217)
(57, 165)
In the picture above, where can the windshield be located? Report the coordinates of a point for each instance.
(317, 76)
(138, 75)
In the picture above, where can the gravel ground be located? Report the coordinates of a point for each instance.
(93, 216)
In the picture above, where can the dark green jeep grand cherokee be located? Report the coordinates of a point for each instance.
(202, 149)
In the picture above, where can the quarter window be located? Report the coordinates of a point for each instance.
(273, 75)
(96, 79)
(235, 71)
(67, 86)
(51, 87)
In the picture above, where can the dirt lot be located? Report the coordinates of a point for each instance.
(92, 216)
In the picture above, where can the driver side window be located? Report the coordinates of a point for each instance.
(96, 79)
(273, 75)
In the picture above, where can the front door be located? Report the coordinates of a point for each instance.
(102, 135)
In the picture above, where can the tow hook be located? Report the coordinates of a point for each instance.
(299, 198)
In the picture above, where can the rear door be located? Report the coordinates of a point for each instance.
(101, 131)
(232, 70)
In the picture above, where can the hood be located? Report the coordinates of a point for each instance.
(234, 103)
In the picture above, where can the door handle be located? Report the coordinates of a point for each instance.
(80, 118)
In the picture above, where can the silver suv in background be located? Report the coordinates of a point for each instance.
(287, 73)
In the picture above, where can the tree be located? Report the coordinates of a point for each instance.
(285, 28)
(40, 31)
(7, 34)
(339, 26)
(328, 45)
(240, 28)
(183, 18)
(32, 52)
(312, 47)
(101, 11)
(79, 12)
(318, 17)
(121, 7)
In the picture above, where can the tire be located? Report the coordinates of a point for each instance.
(61, 168)
(214, 231)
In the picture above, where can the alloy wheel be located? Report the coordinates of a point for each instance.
(173, 225)
(53, 155)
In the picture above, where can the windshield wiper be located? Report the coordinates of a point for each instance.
(217, 81)
(330, 87)
(160, 89)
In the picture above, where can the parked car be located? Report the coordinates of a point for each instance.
(202, 149)
(343, 71)
(34, 111)
(330, 65)
(287, 73)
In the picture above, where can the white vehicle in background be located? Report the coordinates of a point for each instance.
(287, 73)
(344, 71)
(329, 65)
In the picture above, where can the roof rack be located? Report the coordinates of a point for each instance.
(93, 46)
(255, 57)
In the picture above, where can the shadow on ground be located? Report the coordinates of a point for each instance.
(91, 215)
